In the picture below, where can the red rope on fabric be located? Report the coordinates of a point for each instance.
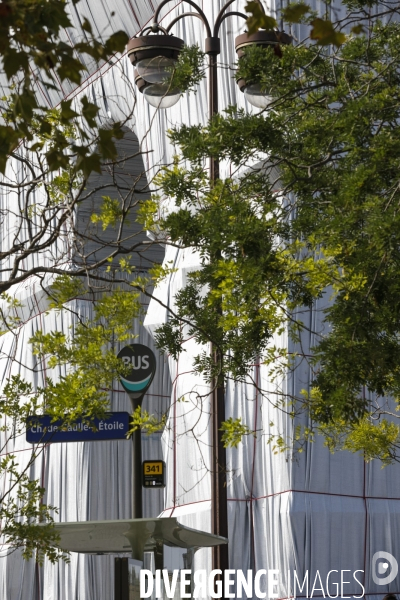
(176, 506)
(366, 513)
(133, 12)
(294, 491)
(252, 532)
(186, 504)
(44, 454)
(24, 449)
(365, 526)
(174, 476)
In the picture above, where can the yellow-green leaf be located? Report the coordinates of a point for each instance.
(258, 19)
(294, 13)
(325, 34)
(357, 29)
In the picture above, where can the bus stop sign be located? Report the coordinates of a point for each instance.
(142, 363)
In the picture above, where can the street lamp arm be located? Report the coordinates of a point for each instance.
(201, 13)
(179, 17)
(233, 13)
(220, 14)
(150, 28)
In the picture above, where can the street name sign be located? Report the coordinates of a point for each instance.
(40, 429)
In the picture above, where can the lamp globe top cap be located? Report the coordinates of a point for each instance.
(261, 38)
(150, 46)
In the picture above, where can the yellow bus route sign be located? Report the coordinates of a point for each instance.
(153, 473)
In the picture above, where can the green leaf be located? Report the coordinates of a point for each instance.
(117, 131)
(45, 127)
(64, 289)
(325, 33)
(110, 212)
(258, 19)
(8, 139)
(188, 70)
(357, 29)
(295, 13)
(70, 68)
(14, 61)
(66, 112)
(86, 26)
(116, 42)
(144, 421)
(56, 159)
(36, 147)
(232, 432)
(88, 164)
(89, 111)
(106, 144)
(25, 104)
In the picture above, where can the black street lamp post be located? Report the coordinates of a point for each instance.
(153, 52)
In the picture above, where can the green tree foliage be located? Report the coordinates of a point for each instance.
(81, 366)
(31, 38)
(329, 141)
(323, 31)
(22, 509)
(189, 70)
(54, 151)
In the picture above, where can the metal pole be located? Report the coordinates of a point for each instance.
(137, 505)
(219, 510)
(213, 49)
(141, 364)
(219, 516)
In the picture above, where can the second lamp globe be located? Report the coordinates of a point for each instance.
(253, 91)
(256, 96)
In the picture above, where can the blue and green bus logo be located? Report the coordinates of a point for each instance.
(142, 363)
